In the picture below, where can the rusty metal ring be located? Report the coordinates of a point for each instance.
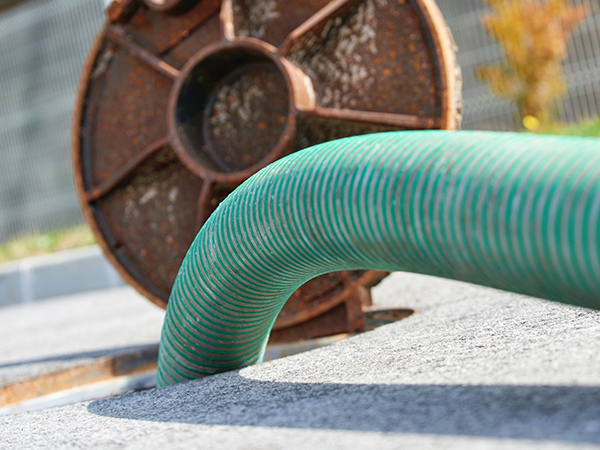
(239, 52)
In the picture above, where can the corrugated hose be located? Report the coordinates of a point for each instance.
(511, 211)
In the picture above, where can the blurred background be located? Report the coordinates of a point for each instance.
(522, 71)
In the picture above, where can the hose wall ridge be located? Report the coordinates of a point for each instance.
(511, 211)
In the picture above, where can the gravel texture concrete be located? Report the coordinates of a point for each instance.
(474, 369)
(64, 333)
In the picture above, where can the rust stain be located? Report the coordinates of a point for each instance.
(100, 370)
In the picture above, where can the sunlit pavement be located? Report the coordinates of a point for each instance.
(474, 368)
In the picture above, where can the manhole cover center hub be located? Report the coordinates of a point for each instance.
(231, 109)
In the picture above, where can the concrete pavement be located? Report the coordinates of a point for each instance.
(474, 368)
(66, 342)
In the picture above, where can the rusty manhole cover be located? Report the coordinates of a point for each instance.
(181, 101)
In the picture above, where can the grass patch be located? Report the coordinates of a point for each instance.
(588, 128)
(43, 243)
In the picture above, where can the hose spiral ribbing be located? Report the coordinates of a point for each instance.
(511, 211)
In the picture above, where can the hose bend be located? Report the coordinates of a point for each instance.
(511, 211)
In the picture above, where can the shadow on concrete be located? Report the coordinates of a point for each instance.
(560, 413)
(151, 349)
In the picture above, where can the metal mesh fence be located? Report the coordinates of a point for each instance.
(43, 46)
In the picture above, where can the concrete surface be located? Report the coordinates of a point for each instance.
(54, 275)
(475, 368)
(61, 334)
(84, 347)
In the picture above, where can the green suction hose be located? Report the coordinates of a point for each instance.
(515, 212)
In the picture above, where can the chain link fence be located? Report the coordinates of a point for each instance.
(43, 46)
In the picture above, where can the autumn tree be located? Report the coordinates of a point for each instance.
(534, 36)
